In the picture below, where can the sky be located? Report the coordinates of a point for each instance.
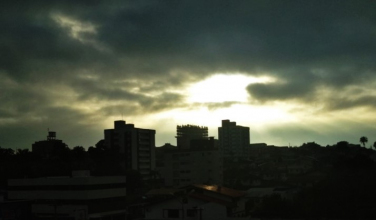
(292, 71)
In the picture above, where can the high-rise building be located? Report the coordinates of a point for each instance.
(196, 159)
(186, 133)
(136, 145)
(233, 139)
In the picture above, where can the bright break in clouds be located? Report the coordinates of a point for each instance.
(293, 71)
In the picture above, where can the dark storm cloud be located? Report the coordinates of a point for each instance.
(156, 37)
(139, 52)
(292, 84)
(345, 85)
(342, 103)
(70, 125)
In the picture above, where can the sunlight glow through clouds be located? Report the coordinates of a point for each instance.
(223, 87)
(232, 88)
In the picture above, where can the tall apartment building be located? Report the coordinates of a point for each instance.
(233, 139)
(186, 133)
(136, 145)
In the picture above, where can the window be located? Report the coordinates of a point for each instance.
(171, 213)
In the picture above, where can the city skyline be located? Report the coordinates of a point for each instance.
(173, 141)
(291, 71)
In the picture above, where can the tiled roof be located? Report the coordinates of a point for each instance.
(221, 190)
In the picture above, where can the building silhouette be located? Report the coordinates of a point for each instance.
(233, 139)
(186, 133)
(135, 145)
(46, 148)
(79, 196)
(196, 159)
(181, 168)
(199, 201)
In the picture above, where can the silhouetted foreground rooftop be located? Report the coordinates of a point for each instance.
(221, 190)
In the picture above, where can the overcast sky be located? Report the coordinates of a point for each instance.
(292, 71)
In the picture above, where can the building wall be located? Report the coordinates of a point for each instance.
(160, 210)
(182, 168)
(67, 188)
(66, 195)
(186, 133)
(233, 139)
(67, 181)
(135, 144)
(207, 210)
(71, 196)
(214, 211)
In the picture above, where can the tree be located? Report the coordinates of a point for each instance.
(363, 140)
(374, 145)
(78, 151)
(6, 152)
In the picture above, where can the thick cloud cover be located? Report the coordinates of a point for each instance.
(74, 64)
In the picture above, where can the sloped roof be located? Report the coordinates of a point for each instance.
(221, 190)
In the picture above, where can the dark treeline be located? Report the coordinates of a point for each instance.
(101, 161)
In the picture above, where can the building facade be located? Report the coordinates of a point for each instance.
(135, 145)
(233, 139)
(79, 197)
(201, 163)
(210, 202)
(186, 133)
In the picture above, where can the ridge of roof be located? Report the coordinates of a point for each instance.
(221, 190)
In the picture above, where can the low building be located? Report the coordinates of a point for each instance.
(210, 202)
(15, 210)
(80, 196)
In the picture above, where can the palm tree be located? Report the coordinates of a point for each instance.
(363, 140)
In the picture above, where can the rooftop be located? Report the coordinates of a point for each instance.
(221, 190)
